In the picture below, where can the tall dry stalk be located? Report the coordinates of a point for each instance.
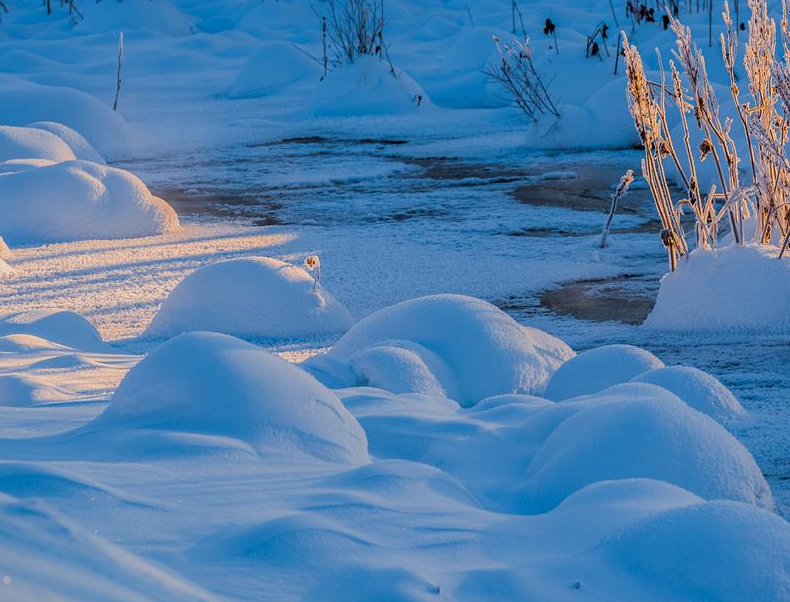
(766, 202)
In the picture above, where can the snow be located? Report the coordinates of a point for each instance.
(368, 86)
(273, 67)
(23, 390)
(80, 147)
(215, 385)
(29, 143)
(207, 468)
(469, 348)
(23, 103)
(749, 283)
(45, 556)
(255, 297)
(597, 369)
(58, 326)
(639, 430)
(93, 201)
(699, 390)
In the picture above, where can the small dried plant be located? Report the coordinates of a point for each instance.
(517, 74)
(352, 29)
(727, 204)
(313, 265)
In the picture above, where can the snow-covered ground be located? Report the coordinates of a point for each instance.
(421, 462)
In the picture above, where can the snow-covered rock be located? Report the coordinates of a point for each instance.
(640, 430)
(273, 67)
(733, 287)
(254, 297)
(472, 349)
(32, 143)
(698, 389)
(596, 369)
(79, 200)
(81, 148)
(214, 385)
(58, 326)
(368, 87)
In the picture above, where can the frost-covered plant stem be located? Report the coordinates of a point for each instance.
(118, 75)
(619, 193)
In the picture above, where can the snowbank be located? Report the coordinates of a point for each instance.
(79, 200)
(52, 325)
(31, 143)
(255, 297)
(368, 87)
(218, 386)
(698, 389)
(472, 349)
(639, 430)
(22, 103)
(273, 67)
(733, 287)
(596, 369)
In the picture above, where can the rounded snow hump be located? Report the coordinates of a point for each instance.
(458, 346)
(214, 385)
(253, 297)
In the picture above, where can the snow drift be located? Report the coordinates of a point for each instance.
(471, 349)
(48, 557)
(218, 386)
(79, 200)
(45, 326)
(733, 287)
(255, 297)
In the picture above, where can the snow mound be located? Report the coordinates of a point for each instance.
(255, 297)
(79, 200)
(273, 67)
(473, 349)
(698, 389)
(733, 287)
(27, 343)
(597, 369)
(23, 102)
(638, 430)
(81, 148)
(215, 385)
(22, 390)
(751, 548)
(368, 87)
(51, 326)
(32, 143)
(47, 557)
(399, 369)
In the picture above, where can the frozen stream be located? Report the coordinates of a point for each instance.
(511, 232)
